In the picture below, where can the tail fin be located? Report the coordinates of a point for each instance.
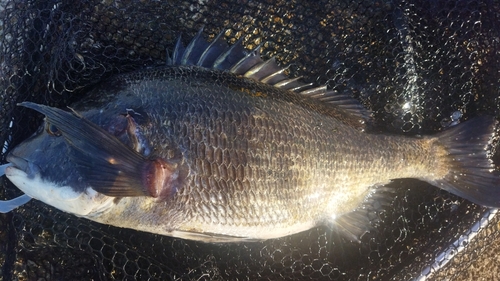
(472, 175)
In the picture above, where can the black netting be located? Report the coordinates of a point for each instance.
(419, 65)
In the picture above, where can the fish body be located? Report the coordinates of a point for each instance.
(212, 154)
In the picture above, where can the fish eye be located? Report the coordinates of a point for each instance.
(52, 130)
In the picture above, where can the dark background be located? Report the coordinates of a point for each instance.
(413, 63)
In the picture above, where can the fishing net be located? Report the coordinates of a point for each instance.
(420, 66)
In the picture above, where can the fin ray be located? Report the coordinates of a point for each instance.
(212, 52)
(178, 52)
(472, 174)
(230, 56)
(247, 62)
(363, 219)
(194, 50)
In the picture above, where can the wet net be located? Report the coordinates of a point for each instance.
(420, 66)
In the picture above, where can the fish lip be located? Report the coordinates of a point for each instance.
(24, 165)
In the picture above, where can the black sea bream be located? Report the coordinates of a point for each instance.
(220, 145)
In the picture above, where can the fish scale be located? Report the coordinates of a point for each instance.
(270, 178)
(236, 154)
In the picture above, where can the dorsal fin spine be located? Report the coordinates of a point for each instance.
(258, 70)
(288, 83)
(178, 52)
(205, 56)
(225, 56)
(275, 77)
(192, 49)
(247, 62)
(219, 55)
(316, 91)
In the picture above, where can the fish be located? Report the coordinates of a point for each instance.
(220, 145)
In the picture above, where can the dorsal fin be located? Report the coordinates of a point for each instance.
(235, 59)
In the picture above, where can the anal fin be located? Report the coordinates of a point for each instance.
(354, 225)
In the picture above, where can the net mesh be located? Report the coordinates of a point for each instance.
(420, 66)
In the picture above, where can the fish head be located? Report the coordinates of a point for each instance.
(82, 162)
(43, 167)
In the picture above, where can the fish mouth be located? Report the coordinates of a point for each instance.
(28, 177)
(24, 165)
